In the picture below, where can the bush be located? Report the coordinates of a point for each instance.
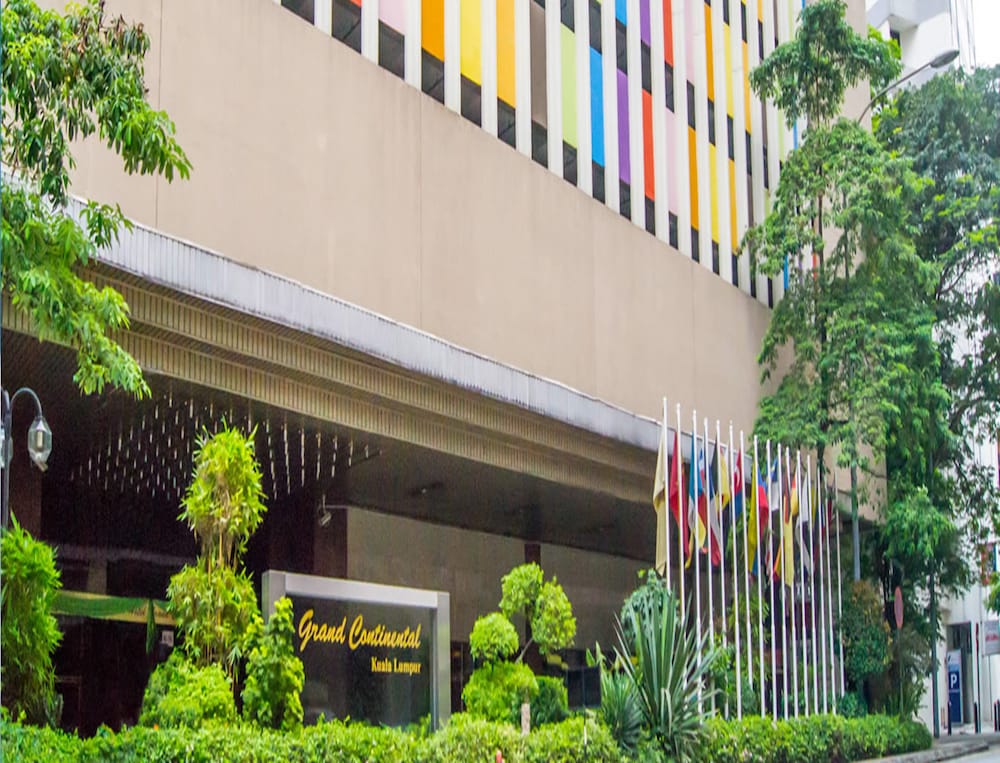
(551, 705)
(30, 633)
(852, 705)
(180, 694)
(493, 638)
(620, 709)
(573, 741)
(274, 674)
(472, 740)
(496, 692)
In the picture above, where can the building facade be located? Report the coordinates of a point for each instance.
(447, 257)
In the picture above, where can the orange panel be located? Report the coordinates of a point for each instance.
(647, 144)
(668, 34)
(693, 175)
(432, 28)
(708, 53)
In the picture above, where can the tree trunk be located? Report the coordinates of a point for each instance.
(855, 529)
(935, 701)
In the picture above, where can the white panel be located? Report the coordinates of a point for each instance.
(701, 136)
(412, 46)
(774, 125)
(633, 53)
(658, 83)
(488, 100)
(722, 140)
(522, 76)
(609, 68)
(553, 86)
(452, 60)
(369, 30)
(584, 152)
(756, 145)
(322, 15)
(739, 136)
(682, 164)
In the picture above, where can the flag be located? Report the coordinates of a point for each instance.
(674, 494)
(718, 500)
(805, 530)
(784, 566)
(738, 495)
(759, 511)
(697, 503)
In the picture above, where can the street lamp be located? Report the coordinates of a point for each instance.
(39, 444)
(939, 61)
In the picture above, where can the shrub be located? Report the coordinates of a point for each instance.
(30, 633)
(181, 694)
(620, 709)
(274, 674)
(495, 692)
(852, 705)
(865, 633)
(572, 741)
(493, 638)
(551, 705)
(472, 740)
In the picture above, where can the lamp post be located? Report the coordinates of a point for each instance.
(938, 62)
(39, 444)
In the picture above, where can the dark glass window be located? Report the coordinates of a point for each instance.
(595, 25)
(690, 92)
(743, 20)
(539, 144)
(301, 8)
(711, 122)
(730, 137)
(620, 46)
(715, 258)
(668, 72)
(672, 229)
(506, 123)
(390, 49)
(432, 77)
(650, 216)
(725, 12)
(472, 103)
(647, 70)
(347, 23)
(695, 245)
(569, 163)
(624, 199)
(566, 14)
(736, 270)
(599, 182)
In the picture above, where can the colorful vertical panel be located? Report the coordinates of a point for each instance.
(733, 228)
(727, 42)
(432, 28)
(746, 86)
(644, 29)
(693, 178)
(621, 10)
(668, 33)
(393, 14)
(709, 54)
(506, 45)
(647, 145)
(596, 107)
(471, 40)
(568, 49)
(624, 165)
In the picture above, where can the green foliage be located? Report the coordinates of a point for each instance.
(852, 705)
(543, 605)
(30, 633)
(808, 75)
(179, 694)
(496, 691)
(551, 704)
(620, 708)
(213, 601)
(864, 633)
(66, 77)
(577, 740)
(472, 740)
(493, 638)
(667, 665)
(275, 676)
(812, 739)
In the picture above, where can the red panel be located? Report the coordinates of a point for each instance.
(668, 34)
(647, 144)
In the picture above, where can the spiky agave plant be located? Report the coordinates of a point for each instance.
(666, 664)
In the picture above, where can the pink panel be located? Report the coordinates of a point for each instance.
(393, 13)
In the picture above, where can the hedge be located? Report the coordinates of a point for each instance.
(816, 739)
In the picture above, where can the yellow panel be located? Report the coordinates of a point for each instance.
(693, 176)
(432, 28)
(729, 69)
(713, 184)
(506, 79)
(732, 205)
(746, 89)
(709, 56)
(471, 40)
(760, 10)
(568, 43)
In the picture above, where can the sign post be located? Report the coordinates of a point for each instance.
(953, 662)
(371, 652)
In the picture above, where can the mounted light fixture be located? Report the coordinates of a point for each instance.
(39, 444)
(939, 61)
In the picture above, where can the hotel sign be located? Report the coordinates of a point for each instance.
(371, 652)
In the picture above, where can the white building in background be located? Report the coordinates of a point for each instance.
(923, 29)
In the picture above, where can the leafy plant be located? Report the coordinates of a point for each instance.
(496, 691)
(30, 632)
(67, 76)
(543, 605)
(668, 668)
(551, 704)
(493, 638)
(182, 694)
(620, 709)
(275, 676)
(865, 633)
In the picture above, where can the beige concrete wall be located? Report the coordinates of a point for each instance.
(469, 565)
(314, 163)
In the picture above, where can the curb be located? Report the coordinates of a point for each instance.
(943, 752)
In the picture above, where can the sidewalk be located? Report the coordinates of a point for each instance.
(947, 748)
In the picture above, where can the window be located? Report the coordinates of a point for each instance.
(668, 71)
(695, 245)
(390, 49)
(347, 23)
(715, 258)
(672, 229)
(301, 8)
(650, 216)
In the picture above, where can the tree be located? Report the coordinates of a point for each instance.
(65, 78)
(838, 226)
(543, 605)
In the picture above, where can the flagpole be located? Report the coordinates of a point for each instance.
(680, 511)
(760, 565)
(829, 597)
(803, 643)
(721, 541)
(746, 555)
(693, 521)
(812, 582)
(840, 590)
(770, 562)
(736, 583)
(666, 489)
(822, 529)
(708, 545)
(783, 587)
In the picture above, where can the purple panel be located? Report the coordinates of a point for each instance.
(644, 21)
(624, 167)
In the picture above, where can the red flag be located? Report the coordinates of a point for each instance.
(674, 494)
